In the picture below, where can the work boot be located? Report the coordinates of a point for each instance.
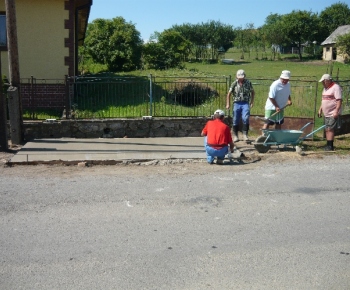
(245, 136)
(328, 148)
(219, 161)
(235, 130)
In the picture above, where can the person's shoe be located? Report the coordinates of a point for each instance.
(245, 136)
(220, 161)
(235, 137)
(328, 148)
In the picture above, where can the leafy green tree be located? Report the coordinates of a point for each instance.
(207, 38)
(343, 46)
(300, 27)
(167, 51)
(273, 33)
(332, 17)
(115, 43)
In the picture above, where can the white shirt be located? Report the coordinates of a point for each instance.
(280, 93)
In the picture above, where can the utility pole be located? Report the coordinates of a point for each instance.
(3, 116)
(14, 99)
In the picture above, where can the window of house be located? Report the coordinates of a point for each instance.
(3, 36)
(327, 48)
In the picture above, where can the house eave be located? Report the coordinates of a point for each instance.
(82, 9)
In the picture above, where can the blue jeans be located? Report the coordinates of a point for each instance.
(241, 110)
(212, 152)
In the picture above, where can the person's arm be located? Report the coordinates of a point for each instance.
(273, 101)
(232, 146)
(320, 112)
(338, 98)
(337, 109)
(205, 130)
(252, 98)
(228, 99)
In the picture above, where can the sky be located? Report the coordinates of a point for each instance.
(149, 16)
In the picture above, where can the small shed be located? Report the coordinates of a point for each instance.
(329, 45)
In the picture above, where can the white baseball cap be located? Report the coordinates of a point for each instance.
(240, 74)
(325, 77)
(219, 112)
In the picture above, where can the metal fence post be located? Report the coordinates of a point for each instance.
(67, 96)
(150, 95)
(31, 96)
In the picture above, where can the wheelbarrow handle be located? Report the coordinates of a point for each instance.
(313, 132)
(307, 124)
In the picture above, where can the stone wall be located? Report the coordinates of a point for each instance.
(144, 127)
(115, 128)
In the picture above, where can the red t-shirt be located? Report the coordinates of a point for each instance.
(217, 132)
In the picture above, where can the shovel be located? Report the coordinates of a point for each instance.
(274, 114)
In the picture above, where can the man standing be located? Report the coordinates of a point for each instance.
(279, 97)
(217, 138)
(243, 99)
(330, 107)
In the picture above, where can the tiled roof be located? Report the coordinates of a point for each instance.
(339, 31)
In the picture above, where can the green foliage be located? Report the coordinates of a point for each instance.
(343, 45)
(114, 43)
(332, 17)
(169, 51)
(207, 38)
(300, 27)
(273, 34)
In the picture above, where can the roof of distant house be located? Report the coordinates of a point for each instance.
(341, 30)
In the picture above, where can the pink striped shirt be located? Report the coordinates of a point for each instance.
(330, 97)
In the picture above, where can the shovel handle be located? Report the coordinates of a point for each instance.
(275, 113)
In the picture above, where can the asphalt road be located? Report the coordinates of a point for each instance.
(268, 225)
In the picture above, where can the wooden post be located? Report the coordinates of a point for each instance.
(3, 116)
(14, 99)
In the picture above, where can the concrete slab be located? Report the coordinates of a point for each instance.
(117, 149)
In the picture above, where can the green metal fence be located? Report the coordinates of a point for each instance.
(124, 97)
(107, 96)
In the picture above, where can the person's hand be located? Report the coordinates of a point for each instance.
(227, 107)
(251, 104)
(277, 108)
(335, 115)
(319, 114)
(289, 103)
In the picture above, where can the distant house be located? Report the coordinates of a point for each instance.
(49, 33)
(329, 45)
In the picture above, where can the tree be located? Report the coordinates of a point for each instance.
(300, 27)
(343, 46)
(332, 17)
(167, 51)
(273, 33)
(207, 38)
(115, 43)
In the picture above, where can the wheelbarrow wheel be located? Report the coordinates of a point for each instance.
(259, 144)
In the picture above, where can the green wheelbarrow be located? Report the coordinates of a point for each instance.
(281, 137)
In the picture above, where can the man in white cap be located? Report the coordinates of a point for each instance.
(217, 138)
(243, 99)
(278, 99)
(330, 107)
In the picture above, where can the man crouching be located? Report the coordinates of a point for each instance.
(217, 138)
